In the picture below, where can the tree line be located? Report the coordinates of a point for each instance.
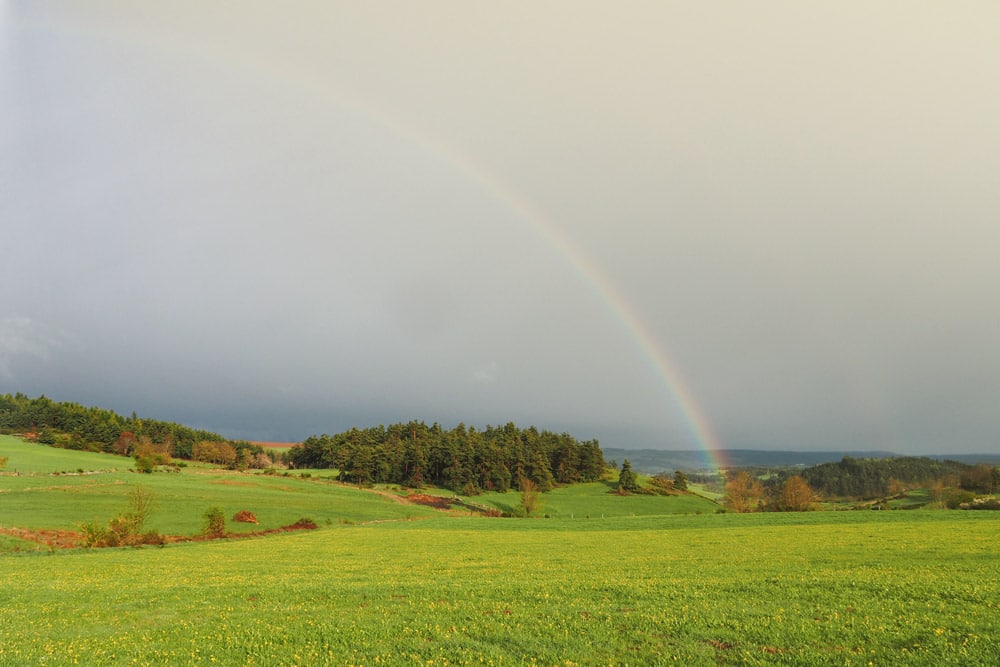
(875, 478)
(153, 442)
(463, 459)
(749, 490)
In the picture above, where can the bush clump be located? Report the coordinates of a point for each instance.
(126, 528)
(215, 522)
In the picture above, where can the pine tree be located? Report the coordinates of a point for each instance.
(627, 480)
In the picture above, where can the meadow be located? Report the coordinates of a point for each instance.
(914, 587)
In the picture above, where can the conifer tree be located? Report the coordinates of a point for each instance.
(627, 480)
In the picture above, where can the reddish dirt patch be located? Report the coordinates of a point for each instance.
(245, 516)
(68, 539)
(453, 503)
(54, 539)
(437, 502)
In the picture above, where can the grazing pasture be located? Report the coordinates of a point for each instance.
(369, 587)
(56, 496)
(889, 588)
(29, 458)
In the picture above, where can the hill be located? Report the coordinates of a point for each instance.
(652, 461)
(50, 489)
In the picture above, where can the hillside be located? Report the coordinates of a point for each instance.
(50, 489)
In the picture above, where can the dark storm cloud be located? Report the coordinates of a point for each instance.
(282, 221)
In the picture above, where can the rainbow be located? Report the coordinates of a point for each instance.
(604, 290)
(666, 370)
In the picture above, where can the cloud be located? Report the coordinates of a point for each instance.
(222, 207)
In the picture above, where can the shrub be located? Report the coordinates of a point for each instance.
(215, 522)
(93, 534)
(982, 504)
(956, 499)
(152, 537)
(661, 485)
(124, 529)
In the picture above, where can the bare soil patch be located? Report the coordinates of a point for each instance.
(53, 539)
(437, 502)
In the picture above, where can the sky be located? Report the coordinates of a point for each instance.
(669, 225)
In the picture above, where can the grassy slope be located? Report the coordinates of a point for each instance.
(28, 458)
(38, 500)
(595, 500)
(41, 500)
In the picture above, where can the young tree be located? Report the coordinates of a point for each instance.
(627, 479)
(937, 488)
(531, 496)
(215, 522)
(743, 492)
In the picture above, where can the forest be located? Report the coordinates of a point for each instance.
(873, 478)
(462, 459)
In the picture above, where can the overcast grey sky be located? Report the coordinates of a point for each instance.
(273, 221)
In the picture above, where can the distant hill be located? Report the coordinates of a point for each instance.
(660, 460)
(992, 459)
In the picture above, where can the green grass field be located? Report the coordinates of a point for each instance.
(912, 587)
(28, 458)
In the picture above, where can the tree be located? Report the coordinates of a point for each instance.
(212, 451)
(796, 495)
(3, 462)
(531, 496)
(140, 502)
(936, 489)
(628, 482)
(979, 478)
(680, 481)
(126, 441)
(743, 492)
